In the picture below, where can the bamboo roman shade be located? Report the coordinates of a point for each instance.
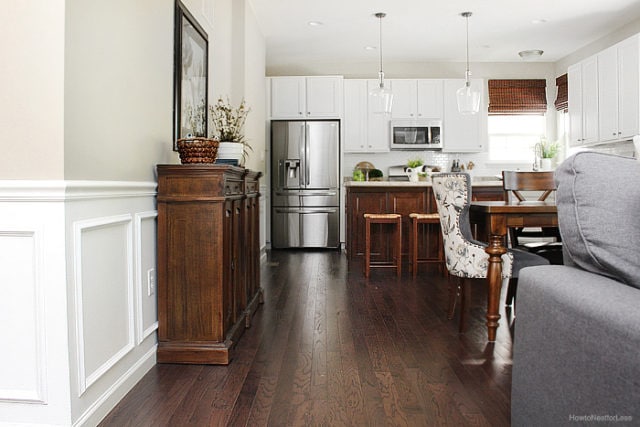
(562, 100)
(517, 96)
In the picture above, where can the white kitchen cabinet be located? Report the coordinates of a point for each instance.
(417, 99)
(629, 87)
(354, 125)
(583, 102)
(574, 98)
(463, 133)
(608, 94)
(300, 97)
(363, 131)
(378, 126)
(618, 91)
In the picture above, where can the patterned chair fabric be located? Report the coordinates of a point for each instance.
(465, 257)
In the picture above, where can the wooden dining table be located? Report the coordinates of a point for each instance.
(493, 220)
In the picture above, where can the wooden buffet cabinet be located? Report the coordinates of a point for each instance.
(208, 260)
(402, 198)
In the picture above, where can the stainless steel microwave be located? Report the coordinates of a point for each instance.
(418, 134)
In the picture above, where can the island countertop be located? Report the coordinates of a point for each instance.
(480, 182)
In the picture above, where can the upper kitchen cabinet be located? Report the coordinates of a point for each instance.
(463, 133)
(417, 99)
(619, 90)
(318, 97)
(582, 80)
(364, 131)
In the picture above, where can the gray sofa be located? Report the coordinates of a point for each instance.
(577, 331)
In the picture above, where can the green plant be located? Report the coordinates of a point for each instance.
(375, 173)
(549, 149)
(415, 162)
(228, 122)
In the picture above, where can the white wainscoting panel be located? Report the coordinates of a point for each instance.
(146, 264)
(22, 367)
(103, 288)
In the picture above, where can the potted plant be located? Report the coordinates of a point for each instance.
(414, 167)
(548, 151)
(227, 124)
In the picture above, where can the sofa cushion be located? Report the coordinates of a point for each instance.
(598, 201)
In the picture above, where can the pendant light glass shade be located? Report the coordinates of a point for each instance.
(468, 99)
(380, 98)
(467, 96)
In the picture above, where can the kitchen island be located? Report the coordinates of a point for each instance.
(400, 197)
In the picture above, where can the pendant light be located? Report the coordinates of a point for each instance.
(468, 97)
(380, 98)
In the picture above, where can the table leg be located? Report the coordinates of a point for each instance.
(495, 250)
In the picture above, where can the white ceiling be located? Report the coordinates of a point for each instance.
(426, 31)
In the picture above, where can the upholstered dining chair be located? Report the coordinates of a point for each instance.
(465, 257)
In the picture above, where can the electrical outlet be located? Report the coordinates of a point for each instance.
(151, 281)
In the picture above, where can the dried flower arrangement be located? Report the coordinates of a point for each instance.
(227, 121)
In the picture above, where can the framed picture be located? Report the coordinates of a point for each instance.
(190, 76)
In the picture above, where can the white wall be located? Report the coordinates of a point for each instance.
(595, 47)
(31, 94)
(118, 88)
(254, 90)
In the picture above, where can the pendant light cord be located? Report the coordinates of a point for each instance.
(381, 15)
(466, 15)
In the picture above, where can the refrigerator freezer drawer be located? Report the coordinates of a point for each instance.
(305, 228)
(302, 198)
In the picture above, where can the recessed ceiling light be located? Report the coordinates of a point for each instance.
(530, 54)
(315, 24)
(370, 48)
(539, 21)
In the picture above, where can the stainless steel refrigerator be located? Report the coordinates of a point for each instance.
(305, 189)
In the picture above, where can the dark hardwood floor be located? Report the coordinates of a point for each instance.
(330, 348)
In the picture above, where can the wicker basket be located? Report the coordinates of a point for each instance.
(197, 150)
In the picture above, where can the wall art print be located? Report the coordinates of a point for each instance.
(191, 75)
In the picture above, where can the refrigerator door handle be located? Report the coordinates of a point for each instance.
(306, 154)
(305, 211)
(303, 194)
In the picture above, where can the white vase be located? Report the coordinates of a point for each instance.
(545, 164)
(412, 173)
(230, 153)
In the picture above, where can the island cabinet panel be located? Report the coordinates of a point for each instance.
(404, 203)
(208, 260)
(359, 203)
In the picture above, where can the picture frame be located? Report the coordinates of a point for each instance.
(190, 76)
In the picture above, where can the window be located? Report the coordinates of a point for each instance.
(512, 138)
(516, 118)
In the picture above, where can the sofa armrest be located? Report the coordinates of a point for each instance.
(576, 348)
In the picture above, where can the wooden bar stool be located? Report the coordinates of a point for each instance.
(394, 219)
(416, 219)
